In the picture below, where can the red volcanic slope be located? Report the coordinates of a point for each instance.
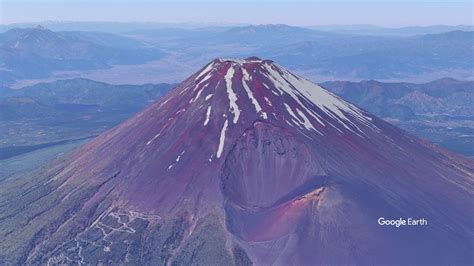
(293, 173)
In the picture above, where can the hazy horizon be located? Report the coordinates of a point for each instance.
(224, 24)
(383, 13)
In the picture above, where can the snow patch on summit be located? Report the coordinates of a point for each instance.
(206, 70)
(258, 108)
(234, 108)
(329, 103)
(306, 93)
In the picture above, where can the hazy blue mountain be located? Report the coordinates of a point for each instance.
(328, 55)
(37, 52)
(317, 55)
(440, 97)
(113, 27)
(60, 111)
(440, 111)
(366, 57)
(270, 34)
(228, 40)
(104, 39)
(361, 29)
(170, 33)
(124, 27)
(76, 97)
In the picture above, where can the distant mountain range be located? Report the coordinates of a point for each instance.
(76, 98)
(328, 55)
(169, 54)
(67, 109)
(365, 57)
(440, 111)
(385, 31)
(124, 27)
(32, 53)
(269, 35)
(448, 97)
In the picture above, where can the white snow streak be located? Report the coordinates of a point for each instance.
(209, 96)
(208, 70)
(288, 108)
(204, 80)
(205, 71)
(328, 103)
(232, 96)
(222, 140)
(301, 120)
(258, 108)
(285, 87)
(179, 156)
(268, 101)
(151, 140)
(197, 96)
(180, 111)
(165, 102)
(208, 114)
(177, 160)
(307, 124)
(300, 89)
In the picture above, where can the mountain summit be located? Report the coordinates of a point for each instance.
(245, 162)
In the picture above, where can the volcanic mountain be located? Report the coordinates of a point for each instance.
(244, 162)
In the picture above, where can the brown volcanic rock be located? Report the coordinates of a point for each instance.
(243, 163)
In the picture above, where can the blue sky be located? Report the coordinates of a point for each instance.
(300, 12)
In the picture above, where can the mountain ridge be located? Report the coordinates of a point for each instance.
(37, 52)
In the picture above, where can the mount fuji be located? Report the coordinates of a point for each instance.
(244, 163)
